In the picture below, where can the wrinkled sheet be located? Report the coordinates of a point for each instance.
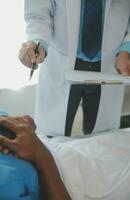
(95, 167)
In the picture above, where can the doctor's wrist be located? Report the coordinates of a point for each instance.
(123, 54)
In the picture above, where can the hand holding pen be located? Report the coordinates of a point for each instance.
(27, 54)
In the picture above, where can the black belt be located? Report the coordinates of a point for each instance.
(87, 66)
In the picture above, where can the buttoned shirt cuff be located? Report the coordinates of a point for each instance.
(124, 47)
(43, 44)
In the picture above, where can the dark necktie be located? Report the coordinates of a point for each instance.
(92, 28)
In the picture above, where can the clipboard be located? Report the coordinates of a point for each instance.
(96, 78)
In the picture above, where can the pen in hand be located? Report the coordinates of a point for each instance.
(34, 64)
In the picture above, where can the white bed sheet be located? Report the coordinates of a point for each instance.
(95, 167)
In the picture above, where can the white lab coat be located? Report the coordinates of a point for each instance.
(53, 89)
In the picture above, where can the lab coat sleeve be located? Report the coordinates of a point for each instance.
(125, 45)
(127, 36)
(39, 18)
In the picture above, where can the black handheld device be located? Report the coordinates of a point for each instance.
(7, 132)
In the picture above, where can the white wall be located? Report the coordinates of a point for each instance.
(12, 34)
(18, 102)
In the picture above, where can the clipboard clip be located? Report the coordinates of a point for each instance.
(103, 82)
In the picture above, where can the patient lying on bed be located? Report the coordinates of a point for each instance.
(96, 167)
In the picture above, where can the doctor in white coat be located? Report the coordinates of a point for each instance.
(57, 24)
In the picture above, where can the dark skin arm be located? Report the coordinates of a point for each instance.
(28, 146)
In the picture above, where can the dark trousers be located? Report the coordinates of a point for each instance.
(90, 96)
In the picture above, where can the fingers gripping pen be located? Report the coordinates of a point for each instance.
(34, 64)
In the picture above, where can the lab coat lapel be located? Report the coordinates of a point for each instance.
(107, 8)
(73, 23)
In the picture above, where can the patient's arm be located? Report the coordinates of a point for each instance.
(50, 177)
(28, 146)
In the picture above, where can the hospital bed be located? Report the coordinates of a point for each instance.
(95, 167)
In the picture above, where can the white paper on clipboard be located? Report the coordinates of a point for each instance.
(94, 78)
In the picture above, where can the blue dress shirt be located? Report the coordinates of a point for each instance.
(80, 54)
